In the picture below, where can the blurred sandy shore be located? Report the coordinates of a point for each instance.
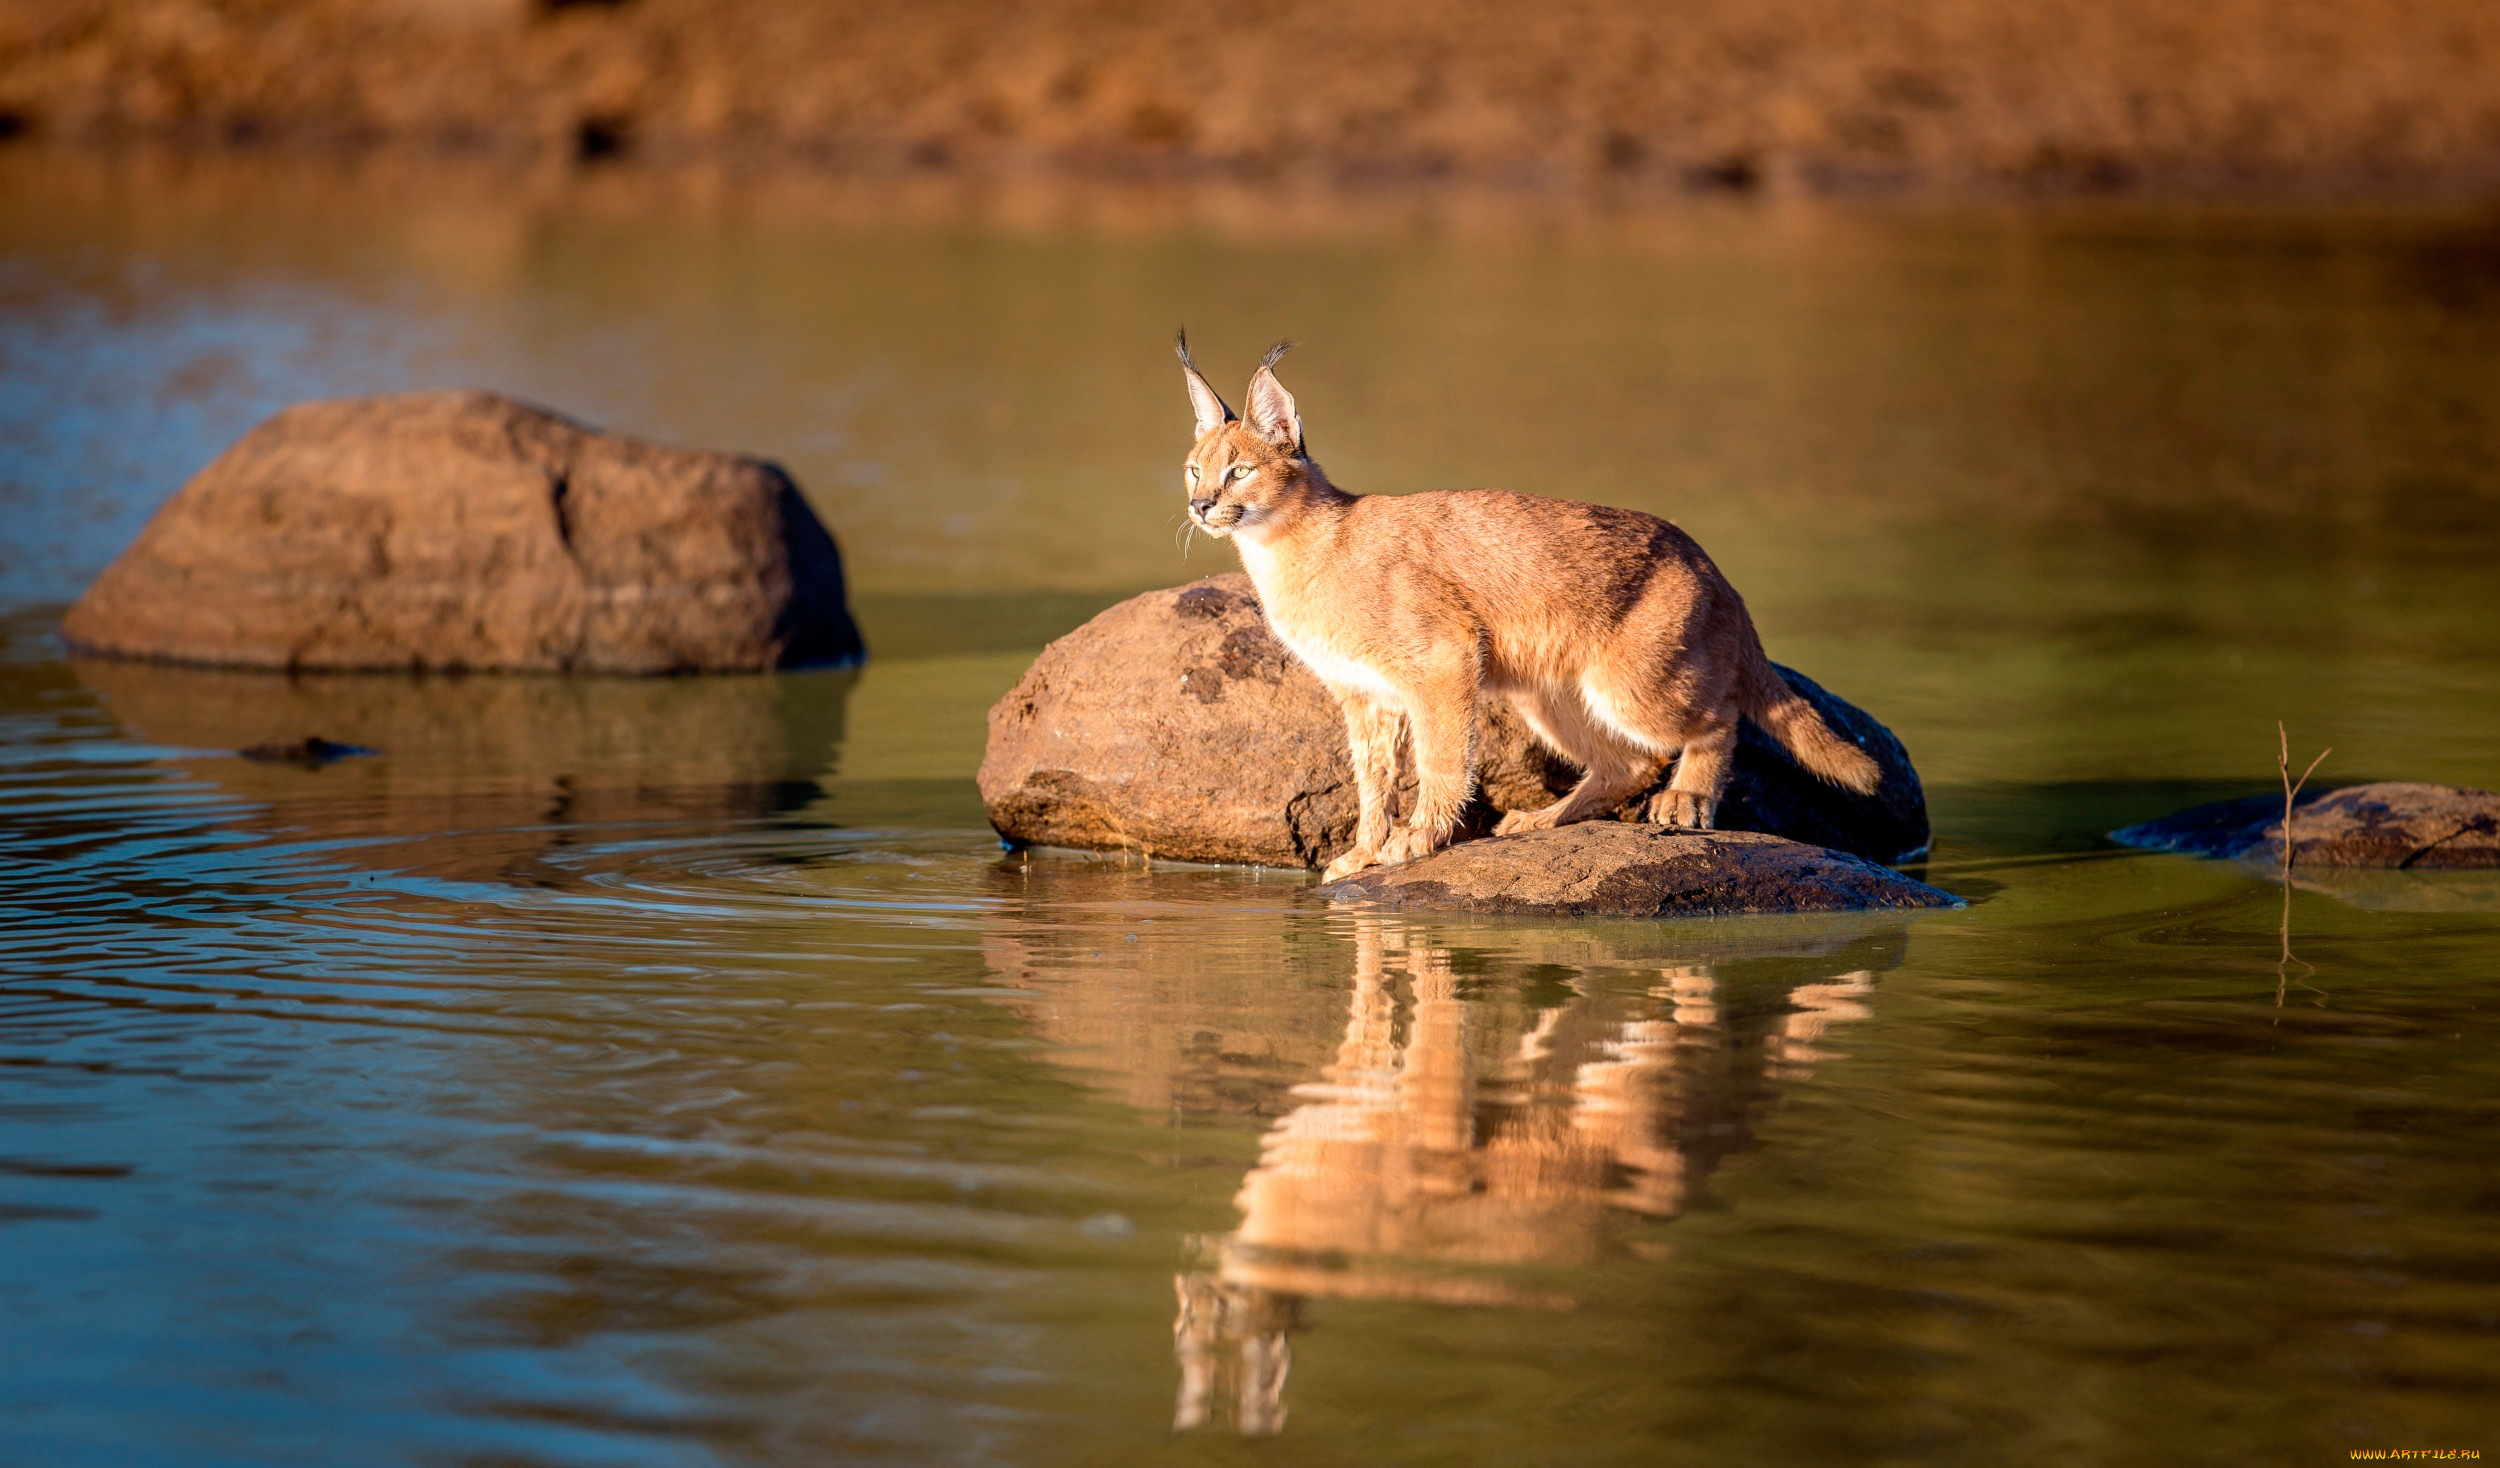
(1953, 97)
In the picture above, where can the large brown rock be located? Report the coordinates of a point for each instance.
(1621, 869)
(1176, 723)
(2390, 823)
(463, 530)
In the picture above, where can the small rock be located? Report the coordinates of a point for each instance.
(1176, 723)
(309, 750)
(2390, 823)
(463, 530)
(1619, 869)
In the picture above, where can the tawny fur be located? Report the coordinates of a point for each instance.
(1610, 632)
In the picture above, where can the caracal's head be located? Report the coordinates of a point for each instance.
(1245, 476)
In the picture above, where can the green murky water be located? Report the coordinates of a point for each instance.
(676, 1072)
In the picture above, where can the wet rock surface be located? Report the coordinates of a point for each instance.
(1618, 869)
(468, 531)
(2396, 824)
(1176, 723)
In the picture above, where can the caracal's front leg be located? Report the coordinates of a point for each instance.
(1372, 726)
(1441, 709)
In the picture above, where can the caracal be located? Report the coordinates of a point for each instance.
(1609, 630)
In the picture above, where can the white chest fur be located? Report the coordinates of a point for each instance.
(1336, 668)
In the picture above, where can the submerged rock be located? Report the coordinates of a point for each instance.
(1619, 869)
(2389, 823)
(463, 530)
(2410, 889)
(1176, 723)
(309, 750)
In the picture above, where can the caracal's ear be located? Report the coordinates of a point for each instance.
(1202, 399)
(1272, 414)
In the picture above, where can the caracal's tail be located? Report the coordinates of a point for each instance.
(1770, 702)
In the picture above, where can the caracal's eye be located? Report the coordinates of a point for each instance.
(1193, 474)
(1238, 473)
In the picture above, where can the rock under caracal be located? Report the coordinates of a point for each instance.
(468, 531)
(1623, 869)
(1177, 724)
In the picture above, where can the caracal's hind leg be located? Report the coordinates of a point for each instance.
(1663, 693)
(1669, 681)
(1691, 799)
(1613, 769)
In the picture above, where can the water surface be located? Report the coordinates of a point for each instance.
(677, 1072)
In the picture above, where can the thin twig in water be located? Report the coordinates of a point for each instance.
(2291, 790)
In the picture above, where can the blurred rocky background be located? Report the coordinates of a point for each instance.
(1953, 97)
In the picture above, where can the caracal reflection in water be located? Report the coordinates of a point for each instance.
(1475, 1133)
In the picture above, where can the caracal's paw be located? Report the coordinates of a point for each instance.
(1347, 865)
(1517, 821)
(1682, 809)
(1408, 843)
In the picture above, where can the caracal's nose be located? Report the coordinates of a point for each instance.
(1200, 505)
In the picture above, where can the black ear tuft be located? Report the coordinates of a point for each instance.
(1204, 401)
(1273, 415)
